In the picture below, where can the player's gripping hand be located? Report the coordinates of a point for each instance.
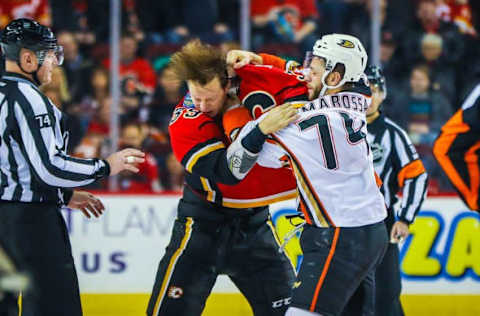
(278, 118)
(125, 160)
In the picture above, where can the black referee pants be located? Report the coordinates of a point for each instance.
(35, 237)
(388, 282)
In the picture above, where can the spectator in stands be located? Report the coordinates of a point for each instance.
(229, 16)
(100, 123)
(458, 12)
(138, 79)
(442, 74)
(170, 28)
(213, 21)
(98, 88)
(391, 64)
(429, 22)
(169, 90)
(421, 111)
(131, 21)
(54, 95)
(146, 180)
(78, 69)
(286, 21)
(38, 10)
(133, 66)
(466, 15)
(59, 82)
(91, 22)
(62, 15)
(175, 174)
(100, 84)
(360, 23)
(333, 16)
(95, 141)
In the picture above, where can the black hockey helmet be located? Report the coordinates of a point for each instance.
(375, 77)
(26, 33)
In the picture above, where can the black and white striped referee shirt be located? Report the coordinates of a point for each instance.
(34, 166)
(397, 163)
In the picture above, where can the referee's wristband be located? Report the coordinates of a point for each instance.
(107, 168)
(67, 195)
(104, 170)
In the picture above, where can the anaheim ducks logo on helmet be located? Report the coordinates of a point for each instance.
(346, 43)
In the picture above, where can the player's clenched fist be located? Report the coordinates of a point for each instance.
(239, 58)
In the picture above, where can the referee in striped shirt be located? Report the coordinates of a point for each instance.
(400, 168)
(36, 174)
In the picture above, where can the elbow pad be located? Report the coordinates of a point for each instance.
(241, 160)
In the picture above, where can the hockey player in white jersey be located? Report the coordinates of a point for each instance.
(344, 237)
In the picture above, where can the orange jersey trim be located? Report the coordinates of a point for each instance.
(234, 119)
(303, 209)
(378, 181)
(274, 61)
(410, 171)
(325, 269)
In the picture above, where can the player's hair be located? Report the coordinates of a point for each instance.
(200, 63)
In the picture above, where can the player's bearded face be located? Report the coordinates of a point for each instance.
(314, 77)
(209, 98)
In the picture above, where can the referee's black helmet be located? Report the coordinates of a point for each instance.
(29, 34)
(375, 77)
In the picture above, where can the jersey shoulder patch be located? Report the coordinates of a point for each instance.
(188, 101)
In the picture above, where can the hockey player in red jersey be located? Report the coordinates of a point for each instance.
(223, 226)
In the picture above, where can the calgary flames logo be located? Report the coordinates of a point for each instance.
(175, 292)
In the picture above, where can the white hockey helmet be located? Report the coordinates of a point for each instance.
(341, 49)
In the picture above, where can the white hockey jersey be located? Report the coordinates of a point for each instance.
(332, 162)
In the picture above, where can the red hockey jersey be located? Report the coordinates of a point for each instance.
(198, 142)
(265, 86)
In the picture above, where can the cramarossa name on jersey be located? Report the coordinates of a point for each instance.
(345, 100)
(332, 162)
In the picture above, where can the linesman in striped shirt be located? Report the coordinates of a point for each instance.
(37, 176)
(400, 168)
